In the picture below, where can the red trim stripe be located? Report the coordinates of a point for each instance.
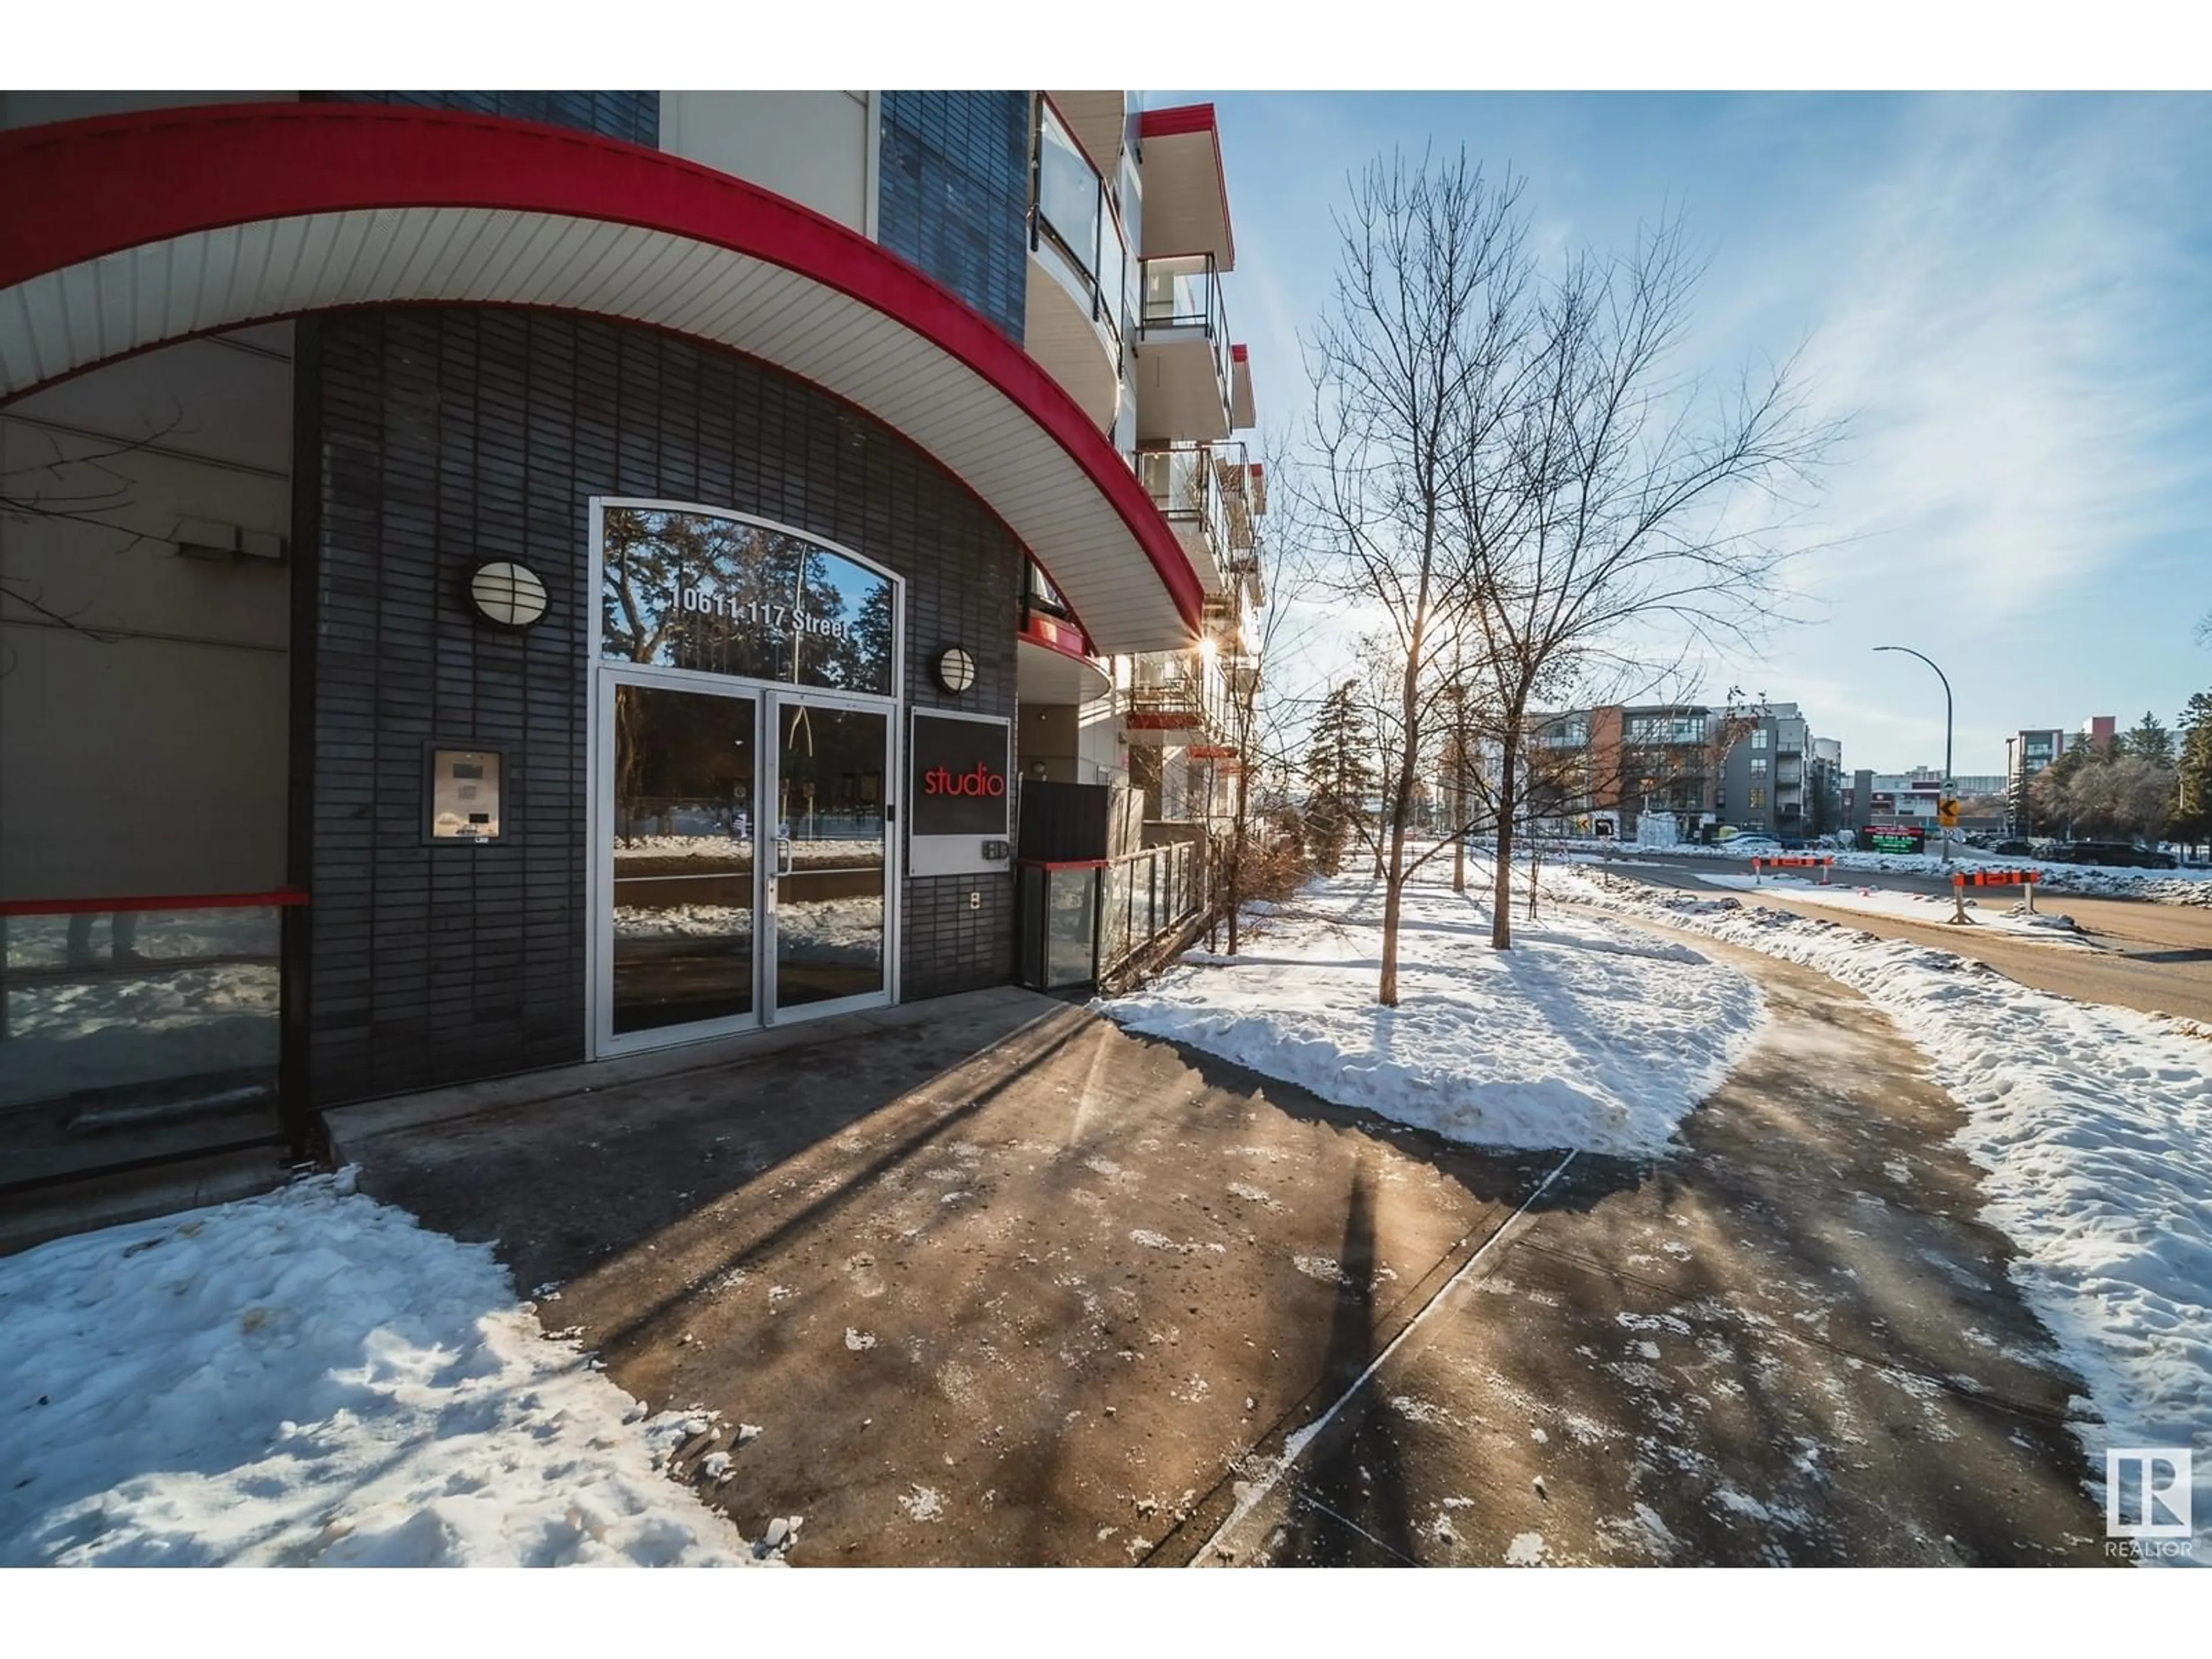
(72, 191)
(1176, 122)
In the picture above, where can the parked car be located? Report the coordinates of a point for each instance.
(2116, 853)
(1753, 844)
(2013, 848)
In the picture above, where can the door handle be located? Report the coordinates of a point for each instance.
(787, 856)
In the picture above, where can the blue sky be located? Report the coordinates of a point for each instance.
(2010, 297)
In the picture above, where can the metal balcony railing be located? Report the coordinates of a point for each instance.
(1180, 697)
(1184, 293)
(1185, 485)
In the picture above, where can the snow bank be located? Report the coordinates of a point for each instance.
(1582, 1036)
(2186, 886)
(2003, 915)
(311, 1378)
(2095, 1126)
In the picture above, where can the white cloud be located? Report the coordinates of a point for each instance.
(2010, 308)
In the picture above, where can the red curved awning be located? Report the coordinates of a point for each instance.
(124, 233)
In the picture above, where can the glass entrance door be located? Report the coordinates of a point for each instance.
(683, 889)
(829, 916)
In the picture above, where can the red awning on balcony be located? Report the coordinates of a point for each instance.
(126, 232)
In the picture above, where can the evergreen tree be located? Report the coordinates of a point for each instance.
(1340, 778)
(2150, 741)
(2192, 805)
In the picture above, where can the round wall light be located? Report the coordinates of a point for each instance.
(955, 669)
(507, 595)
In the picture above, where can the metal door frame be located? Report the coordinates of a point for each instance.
(604, 1042)
(780, 698)
(602, 673)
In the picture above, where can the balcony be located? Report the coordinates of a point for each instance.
(1183, 362)
(1242, 673)
(1240, 412)
(1185, 199)
(1177, 700)
(1185, 484)
(1078, 299)
(1245, 567)
(1171, 702)
(1054, 661)
(1234, 474)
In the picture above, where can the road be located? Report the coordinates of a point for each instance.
(2155, 957)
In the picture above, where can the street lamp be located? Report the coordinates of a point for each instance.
(1947, 793)
(2012, 812)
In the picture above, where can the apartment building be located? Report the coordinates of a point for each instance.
(1700, 766)
(571, 573)
(1779, 779)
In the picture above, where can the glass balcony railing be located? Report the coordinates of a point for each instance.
(1075, 213)
(1082, 922)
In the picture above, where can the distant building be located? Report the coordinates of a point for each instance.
(1602, 769)
(2032, 749)
(1773, 780)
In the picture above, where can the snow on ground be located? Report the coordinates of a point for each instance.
(2095, 1126)
(1584, 1034)
(2003, 915)
(311, 1378)
(2187, 886)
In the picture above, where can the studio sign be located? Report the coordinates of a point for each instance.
(757, 615)
(980, 781)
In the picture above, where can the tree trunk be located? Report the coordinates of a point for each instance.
(1501, 910)
(1459, 808)
(1236, 863)
(1393, 897)
(1402, 803)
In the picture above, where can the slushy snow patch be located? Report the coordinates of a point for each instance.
(2095, 1126)
(311, 1378)
(1583, 1035)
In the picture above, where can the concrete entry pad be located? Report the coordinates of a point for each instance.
(1002, 1284)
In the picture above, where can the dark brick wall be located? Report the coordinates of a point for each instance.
(633, 116)
(444, 436)
(953, 195)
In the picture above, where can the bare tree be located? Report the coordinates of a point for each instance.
(1259, 710)
(1604, 517)
(1429, 291)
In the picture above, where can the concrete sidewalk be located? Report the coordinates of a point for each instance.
(1792, 1344)
(1007, 1284)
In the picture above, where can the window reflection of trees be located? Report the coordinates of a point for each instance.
(652, 554)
